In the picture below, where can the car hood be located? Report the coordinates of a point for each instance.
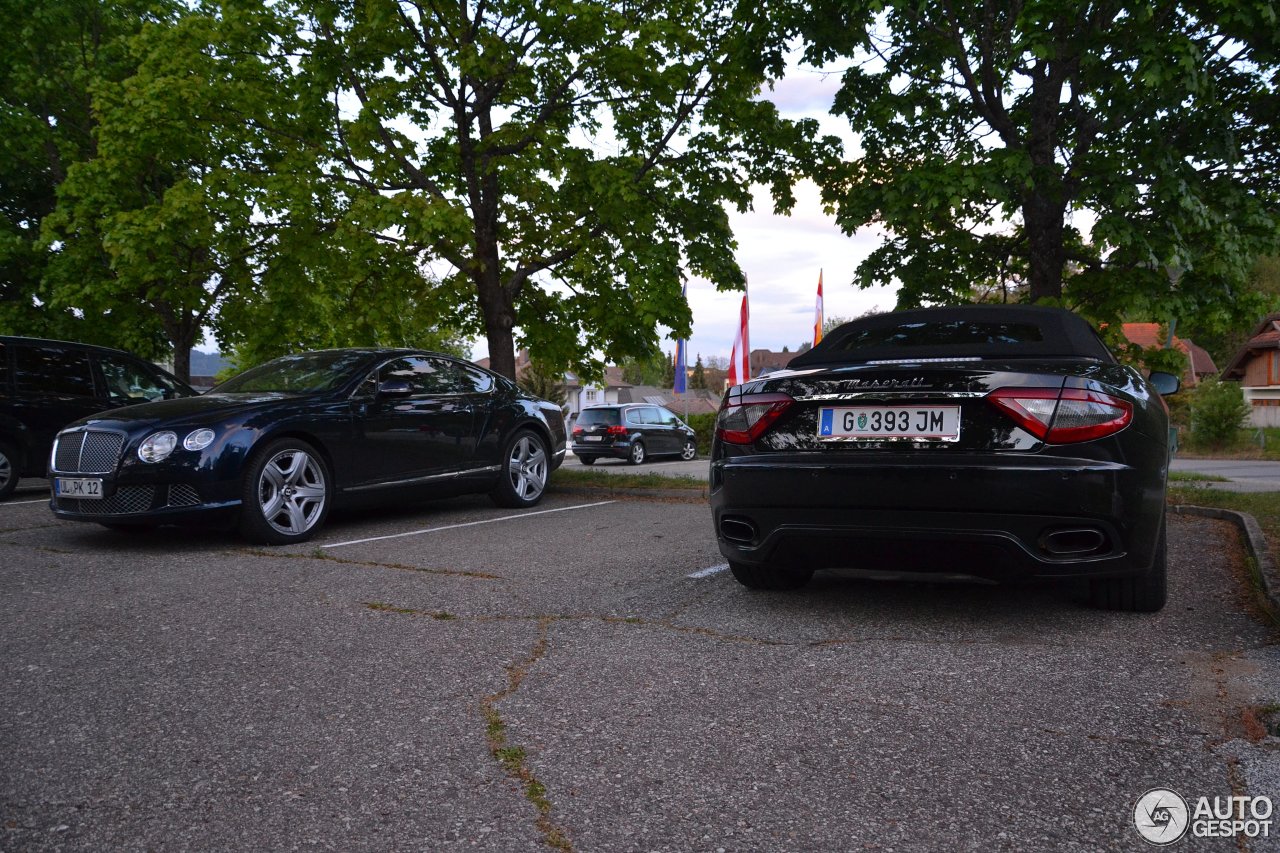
(205, 406)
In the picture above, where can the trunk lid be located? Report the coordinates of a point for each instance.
(939, 407)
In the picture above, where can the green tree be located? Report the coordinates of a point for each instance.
(569, 159)
(991, 132)
(646, 370)
(545, 381)
(699, 379)
(56, 53)
(1218, 411)
(176, 209)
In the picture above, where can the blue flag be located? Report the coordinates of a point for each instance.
(681, 383)
(681, 378)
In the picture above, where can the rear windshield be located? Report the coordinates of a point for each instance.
(598, 417)
(945, 333)
(999, 331)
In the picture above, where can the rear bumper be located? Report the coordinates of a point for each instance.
(615, 451)
(982, 516)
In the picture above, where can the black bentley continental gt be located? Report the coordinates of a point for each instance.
(275, 448)
(1003, 442)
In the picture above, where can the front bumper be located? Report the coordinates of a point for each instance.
(153, 500)
(981, 515)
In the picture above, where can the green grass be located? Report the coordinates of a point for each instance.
(1250, 443)
(577, 477)
(1194, 476)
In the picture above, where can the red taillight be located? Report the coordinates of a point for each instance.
(742, 420)
(616, 430)
(1064, 416)
(577, 431)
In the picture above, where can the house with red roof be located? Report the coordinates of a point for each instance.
(1256, 366)
(1199, 363)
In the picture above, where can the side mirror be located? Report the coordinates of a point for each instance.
(1164, 383)
(394, 388)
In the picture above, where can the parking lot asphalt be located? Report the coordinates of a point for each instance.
(586, 676)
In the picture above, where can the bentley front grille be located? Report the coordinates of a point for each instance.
(87, 452)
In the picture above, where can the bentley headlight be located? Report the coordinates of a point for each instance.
(157, 446)
(198, 440)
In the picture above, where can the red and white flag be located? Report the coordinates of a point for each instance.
(817, 317)
(740, 359)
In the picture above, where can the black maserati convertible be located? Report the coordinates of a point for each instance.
(273, 449)
(1003, 442)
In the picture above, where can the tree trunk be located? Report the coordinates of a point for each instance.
(499, 313)
(181, 331)
(1046, 256)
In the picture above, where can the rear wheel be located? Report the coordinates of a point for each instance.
(525, 471)
(770, 577)
(285, 493)
(9, 472)
(587, 460)
(637, 453)
(690, 450)
(1145, 593)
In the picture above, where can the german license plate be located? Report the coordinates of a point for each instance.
(878, 423)
(78, 487)
(592, 438)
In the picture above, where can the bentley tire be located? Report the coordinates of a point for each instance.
(285, 493)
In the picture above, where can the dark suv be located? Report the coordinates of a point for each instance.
(633, 432)
(45, 385)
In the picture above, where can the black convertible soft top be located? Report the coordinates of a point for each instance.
(965, 331)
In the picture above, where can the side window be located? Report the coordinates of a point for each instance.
(633, 416)
(428, 375)
(649, 415)
(668, 417)
(476, 380)
(130, 381)
(41, 371)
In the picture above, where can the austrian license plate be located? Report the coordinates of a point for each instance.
(78, 487)
(878, 423)
(592, 438)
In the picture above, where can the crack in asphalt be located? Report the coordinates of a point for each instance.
(373, 564)
(513, 759)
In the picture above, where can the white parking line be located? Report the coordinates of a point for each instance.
(465, 524)
(706, 573)
(20, 503)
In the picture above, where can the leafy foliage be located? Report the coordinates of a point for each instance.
(569, 159)
(545, 381)
(1075, 151)
(1217, 412)
(57, 52)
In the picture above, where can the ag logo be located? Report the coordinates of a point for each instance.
(862, 421)
(1161, 816)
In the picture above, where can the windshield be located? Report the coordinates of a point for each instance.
(307, 373)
